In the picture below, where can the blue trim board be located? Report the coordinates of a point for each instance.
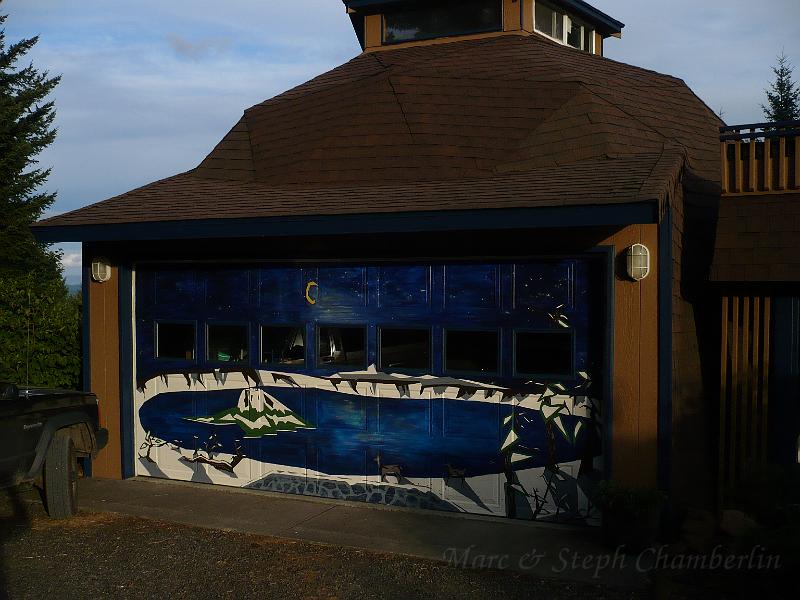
(433, 221)
(126, 369)
(608, 358)
(86, 358)
(611, 328)
(86, 277)
(665, 289)
(784, 401)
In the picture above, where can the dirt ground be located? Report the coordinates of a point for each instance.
(102, 555)
(105, 555)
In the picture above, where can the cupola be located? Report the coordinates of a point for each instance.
(381, 24)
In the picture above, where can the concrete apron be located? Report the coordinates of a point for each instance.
(537, 549)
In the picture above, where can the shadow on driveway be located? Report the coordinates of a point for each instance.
(15, 520)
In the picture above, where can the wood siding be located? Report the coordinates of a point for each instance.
(744, 387)
(527, 15)
(634, 444)
(598, 44)
(373, 31)
(512, 15)
(105, 369)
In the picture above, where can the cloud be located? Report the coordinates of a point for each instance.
(722, 48)
(197, 50)
(71, 260)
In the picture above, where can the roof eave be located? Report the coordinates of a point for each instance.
(605, 24)
(542, 217)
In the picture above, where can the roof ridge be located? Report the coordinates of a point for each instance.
(663, 155)
(313, 90)
(623, 111)
(400, 106)
(589, 56)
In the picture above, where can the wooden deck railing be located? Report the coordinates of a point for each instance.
(762, 158)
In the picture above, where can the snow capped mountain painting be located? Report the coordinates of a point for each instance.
(257, 414)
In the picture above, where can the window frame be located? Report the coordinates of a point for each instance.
(318, 364)
(384, 41)
(566, 18)
(246, 325)
(301, 326)
(585, 28)
(547, 376)
(499, 351)
(196, 348)
(415, 371)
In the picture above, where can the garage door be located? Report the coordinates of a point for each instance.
(450, 386)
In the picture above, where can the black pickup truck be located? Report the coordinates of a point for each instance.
(43, 435)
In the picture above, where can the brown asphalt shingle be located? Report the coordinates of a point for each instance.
(498, 122)
(606, 181)
(758, 239)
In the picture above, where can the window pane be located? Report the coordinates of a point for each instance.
(227, 343)
(283, 345)
(545, 19)
(544, 353)
(575, 34)
(473, 351)
(559, 26)
(443, 19)
(405, 349)
(175, 340)
(342, 346)
(588, 41)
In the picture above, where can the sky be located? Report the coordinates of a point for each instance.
(149, 87)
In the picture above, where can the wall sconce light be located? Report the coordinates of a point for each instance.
(101, 270)
(638, 262)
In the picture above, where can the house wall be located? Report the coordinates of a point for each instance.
(634, 452)
(104, 365)
(691, 467)
(634, 428)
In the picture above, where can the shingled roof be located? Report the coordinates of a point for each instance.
(758, 239)
(505, 121)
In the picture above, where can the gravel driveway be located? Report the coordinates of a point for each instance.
(99, 555)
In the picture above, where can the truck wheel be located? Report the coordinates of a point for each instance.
(60, 476)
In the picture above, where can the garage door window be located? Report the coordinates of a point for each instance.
(175, 341)
(342, 346)
(405, 349)
(282, 345)
(472, 351)
(544, 353)
(228, 343)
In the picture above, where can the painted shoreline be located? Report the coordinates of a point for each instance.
(557, 492)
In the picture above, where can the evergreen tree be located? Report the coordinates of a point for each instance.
(783, 96)
(26, 129)
(39, 322)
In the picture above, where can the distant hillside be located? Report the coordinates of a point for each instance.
(74, 288)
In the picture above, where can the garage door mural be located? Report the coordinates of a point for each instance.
(459, 387)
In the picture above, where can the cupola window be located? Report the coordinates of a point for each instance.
(442, 19)
(561, 27)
